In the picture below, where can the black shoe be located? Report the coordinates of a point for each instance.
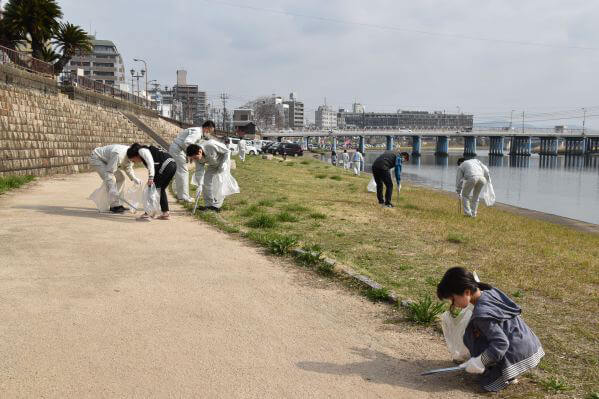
(214, 209)
(117, 209)
(202, 208)
(389, 206)
(123, 208)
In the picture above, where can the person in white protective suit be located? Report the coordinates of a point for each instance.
(110, 161)
(345, 159)
(211, 158)
(357, 160)
(177, 151)
(242, 145)
(471, 177)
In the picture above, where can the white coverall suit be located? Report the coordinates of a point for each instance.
(345, 160)
(215, 159)
(193, 135)
(471, 177)
(242, 149)
(357, 160)
(110, 161)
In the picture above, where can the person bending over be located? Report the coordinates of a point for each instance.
(177, 151)
(211, 158)
(380, 172)
(161, 169)
(110, 161)
(501, 344)
(472, 175)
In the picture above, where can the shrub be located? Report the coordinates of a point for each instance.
(318, 215)
(282, 244)
(377, 294)
(456, 238)
(286, 217)
(262, 221)
(425, 311)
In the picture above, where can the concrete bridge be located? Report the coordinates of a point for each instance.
(516, 141)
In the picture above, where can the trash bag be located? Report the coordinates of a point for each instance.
(151, 200)
(371, 186)
(100, 198)
(453, 332)
(134, 196)
(224, 184)
(488, 194)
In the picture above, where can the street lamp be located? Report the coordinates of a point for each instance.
(146, 72)
(137, 75)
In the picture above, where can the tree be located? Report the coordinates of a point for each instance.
(33, 21)
(70, 39)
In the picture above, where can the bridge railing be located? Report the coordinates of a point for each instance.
(24, 60)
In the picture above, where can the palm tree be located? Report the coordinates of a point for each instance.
(33, 21)
(70, 39)
(49, 55)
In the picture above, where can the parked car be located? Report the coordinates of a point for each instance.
(290, 149)
(272, 149)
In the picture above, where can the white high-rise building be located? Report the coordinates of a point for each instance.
(325, 117)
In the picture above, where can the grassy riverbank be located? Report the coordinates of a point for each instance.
(12, 182)
(550, 270)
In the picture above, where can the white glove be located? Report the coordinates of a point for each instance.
(474, 365)
(136, 181)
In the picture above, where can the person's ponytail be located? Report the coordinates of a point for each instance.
(456, 281)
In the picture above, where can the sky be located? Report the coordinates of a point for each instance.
(482, 57)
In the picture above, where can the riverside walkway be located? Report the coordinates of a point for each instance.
(99, 305)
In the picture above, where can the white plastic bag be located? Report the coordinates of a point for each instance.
(488, 194)
(371, 186)
(453, 332)
(134, 196)
(151, 200)
(100, 198)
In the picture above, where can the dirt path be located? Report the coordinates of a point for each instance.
(99, 305)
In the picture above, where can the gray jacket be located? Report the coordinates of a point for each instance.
(497, 333)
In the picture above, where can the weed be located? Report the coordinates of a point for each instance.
(295, 208)
(242, 202)
(286, 217)
(518, 294)
(262, 221)
(250, 211)
(377, 294)
(403, 267)
(554, 385)
(336, 177)
(261, 237)
(318, 215)
(326, 268)
(425, 311)
(12, 182)
(456, 238)
(266, 203)
(305, 162)
(321, 176)
(311, 255)
(290, 164)
(282, 244)
(432, 281)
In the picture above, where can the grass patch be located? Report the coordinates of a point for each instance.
(321, 176)
(425, 310)
(286, 217)
(554, 385)
(377, 294)
(290, 164)
(411, 206)
(266, 203)
(262, 221)
(310, 255)
(456, 238)
(318, 215)
(296, 208)
(250, 211)
(336, 177)
(305, 162)
(12, 182)
(281, 245)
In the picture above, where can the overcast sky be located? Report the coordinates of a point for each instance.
(386, 54)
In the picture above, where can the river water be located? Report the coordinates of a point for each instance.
(564, 186)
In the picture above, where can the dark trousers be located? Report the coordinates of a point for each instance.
(383, 176)
(162, 180)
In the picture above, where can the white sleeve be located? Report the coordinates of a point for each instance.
(129, 170)
(146, 155)
(193, 138)
(199, 174)
(458, 179)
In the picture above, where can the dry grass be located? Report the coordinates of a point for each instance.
(553, 270)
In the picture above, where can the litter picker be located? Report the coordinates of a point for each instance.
(445, 370)
(195, 206)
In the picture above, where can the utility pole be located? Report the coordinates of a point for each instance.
(584, 118)
(224, 97)
(522, 121)
(511, 119)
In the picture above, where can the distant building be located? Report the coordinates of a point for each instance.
(296, 112)
(194, 107)
(358, 108)
(413, 120)
(242, 116)
(104, 64)
(325, 117)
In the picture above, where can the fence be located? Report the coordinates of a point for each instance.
(25, 61)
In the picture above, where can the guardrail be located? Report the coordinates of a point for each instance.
(25, 61)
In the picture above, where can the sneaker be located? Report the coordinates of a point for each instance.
(389, 206)
(144, 218)
(189, 200)
(117, 209)
(122, 208)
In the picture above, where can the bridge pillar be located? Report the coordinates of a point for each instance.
(548, 146)
(306, 142)
(361, 146)
(547, 162)
(469, 146)
(389, 143)
(416, 144)
(575, 145)
(334, 145)
(442, 146)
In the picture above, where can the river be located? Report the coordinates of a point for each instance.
(559, 185)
